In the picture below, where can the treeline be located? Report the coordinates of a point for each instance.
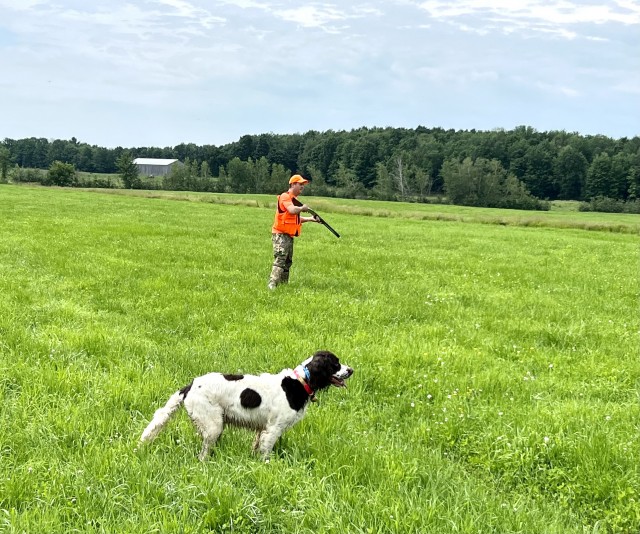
(467, 166)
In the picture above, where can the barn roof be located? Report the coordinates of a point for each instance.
(154, 161)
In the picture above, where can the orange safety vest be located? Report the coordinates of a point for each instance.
(285, 222)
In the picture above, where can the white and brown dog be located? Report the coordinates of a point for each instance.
(268, 404)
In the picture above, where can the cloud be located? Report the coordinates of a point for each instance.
(558, 89)
(311, 16)
(246, 4)
(251, 66)
(536, 16)
(326, 16)
(631, 86)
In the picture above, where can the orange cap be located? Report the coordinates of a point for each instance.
(297, 179)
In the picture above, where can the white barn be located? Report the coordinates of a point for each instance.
(155, 166)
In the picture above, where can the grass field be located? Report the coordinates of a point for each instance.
(496, 354)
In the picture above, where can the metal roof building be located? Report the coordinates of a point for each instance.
(155, 166)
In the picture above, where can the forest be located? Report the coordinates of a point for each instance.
(520, 168)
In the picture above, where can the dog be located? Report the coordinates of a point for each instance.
(268, 403)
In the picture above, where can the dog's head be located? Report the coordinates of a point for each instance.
(324, 370)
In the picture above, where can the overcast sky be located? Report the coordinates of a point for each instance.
(162, 72)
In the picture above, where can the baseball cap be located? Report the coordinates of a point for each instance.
(297, 179)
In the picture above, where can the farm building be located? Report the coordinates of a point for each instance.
(155, 166)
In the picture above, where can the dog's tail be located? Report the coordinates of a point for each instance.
(162, 415)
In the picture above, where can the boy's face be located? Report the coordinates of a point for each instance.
(297, 188)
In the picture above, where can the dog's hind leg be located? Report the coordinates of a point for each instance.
(209, 421)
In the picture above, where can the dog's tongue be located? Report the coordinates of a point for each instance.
(338, 382)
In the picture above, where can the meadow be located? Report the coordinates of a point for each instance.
(496, 356)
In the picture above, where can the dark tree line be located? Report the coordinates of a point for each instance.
(384, 163)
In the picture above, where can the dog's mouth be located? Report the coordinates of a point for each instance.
(338, 382)
(338, 379)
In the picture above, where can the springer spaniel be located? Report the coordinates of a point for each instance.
(267, 403)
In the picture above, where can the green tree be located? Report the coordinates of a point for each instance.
(183, 152)
(634, 178)
(514, 195)
(384, 188)
(597, 182)
(516, 155)
(224, 184)
(365, 156)
(485, 183)
(103, 160)
(319, 187)
(182, 177)
(239, 175)
(570, 173)
(459, 181)
(262, 147)
(428, 158)
(400, 173)
(259, 174)
(422, 182)
(5, 161)
(61, 174)
(128, 170)
(31, 153)
(348, 184)
(621, 172)
(320, 153)
(490, 179)
(205, 170)
(279, 179)
(538, 174)
(84, 160)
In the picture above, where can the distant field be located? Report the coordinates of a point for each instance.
(496, 355)
(563, 214)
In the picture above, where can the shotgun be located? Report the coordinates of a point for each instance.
(296, 202)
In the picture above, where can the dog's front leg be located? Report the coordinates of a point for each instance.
(256, 442)
(268, 439)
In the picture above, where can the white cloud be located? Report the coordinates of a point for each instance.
(21, 5)
(187, 10)
(533, 15)
(246, 4)
(558, 89)
(631, 87)
(252, 66)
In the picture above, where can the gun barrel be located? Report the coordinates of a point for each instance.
(296, 202)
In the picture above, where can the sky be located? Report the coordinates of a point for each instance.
(157, 73)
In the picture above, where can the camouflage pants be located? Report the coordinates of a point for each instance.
(282, 258)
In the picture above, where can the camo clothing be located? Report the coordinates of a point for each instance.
(282, 258)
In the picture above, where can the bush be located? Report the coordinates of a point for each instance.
(604, 204)
(22, 175)
(185, 178)
(632, 206)
(61, 174)
(487, 184)
(98, 181)
(154, 183)
(610, 205)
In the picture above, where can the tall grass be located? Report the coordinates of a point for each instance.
(496, 384)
